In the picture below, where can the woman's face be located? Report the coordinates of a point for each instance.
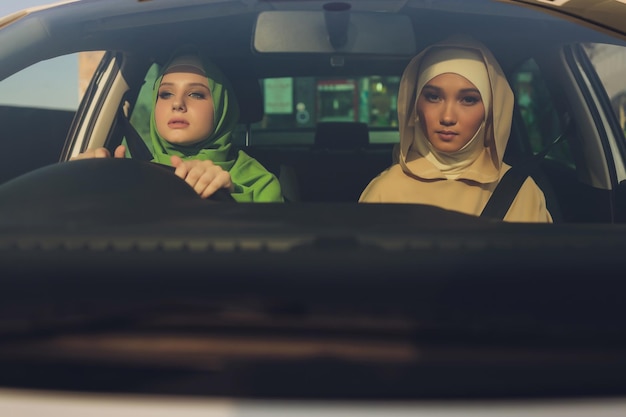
(184, 111)
(450, 110)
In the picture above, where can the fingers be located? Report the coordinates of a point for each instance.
(102, 153)
(221, 180)
(120, 152)
(176, 161)
(92, 153)
(182, 167)
(203, 176)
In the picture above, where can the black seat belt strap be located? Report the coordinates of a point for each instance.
(505, 192)
(136, 146)
(512, 180)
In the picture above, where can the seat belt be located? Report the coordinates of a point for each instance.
(136, 146)
(505, 192)
(512, 180)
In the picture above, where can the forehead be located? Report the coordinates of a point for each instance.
(185, 77)
(450, 81)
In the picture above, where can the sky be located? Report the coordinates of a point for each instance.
(52, 84)
(10, 6)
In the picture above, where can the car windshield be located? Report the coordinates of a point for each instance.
(369, 201)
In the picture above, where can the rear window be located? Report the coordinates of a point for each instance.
(293, 107)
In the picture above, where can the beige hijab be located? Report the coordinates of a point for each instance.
(463, 180)
(481, 159)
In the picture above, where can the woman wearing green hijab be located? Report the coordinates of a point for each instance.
(191, 122)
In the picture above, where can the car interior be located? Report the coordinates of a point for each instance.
(333, 161)
(336, 160)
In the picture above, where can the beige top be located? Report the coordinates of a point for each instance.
(464, 180)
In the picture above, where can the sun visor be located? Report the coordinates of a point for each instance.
(334, 29)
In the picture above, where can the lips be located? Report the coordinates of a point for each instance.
(446, 135)
(177, 123)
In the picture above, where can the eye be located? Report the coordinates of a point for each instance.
(164, 95)
(470, 100)
(431, 96)
(198, 95)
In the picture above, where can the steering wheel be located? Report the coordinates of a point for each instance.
(220, 195)
(103, 180)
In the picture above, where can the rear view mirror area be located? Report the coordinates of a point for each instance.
(334, 29)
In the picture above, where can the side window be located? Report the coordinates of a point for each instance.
(37, 106)
(609, 62)
(52, 84)
(538, 113)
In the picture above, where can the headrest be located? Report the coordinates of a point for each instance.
(250, 99)
(341, 135)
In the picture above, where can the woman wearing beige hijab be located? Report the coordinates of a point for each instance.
(455, 109)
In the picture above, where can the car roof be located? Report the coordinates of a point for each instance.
(154, 28)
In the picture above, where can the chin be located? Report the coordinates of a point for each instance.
(447, 147)
(184, 142)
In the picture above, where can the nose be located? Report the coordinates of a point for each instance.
(448, 114)
(178, 104)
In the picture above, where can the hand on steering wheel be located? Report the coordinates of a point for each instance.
(221, 194)
(204, 177)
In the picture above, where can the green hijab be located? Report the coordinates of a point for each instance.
(253, 183)
(216, 147)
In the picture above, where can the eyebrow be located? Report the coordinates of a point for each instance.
(186, 85)
(463, 90)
